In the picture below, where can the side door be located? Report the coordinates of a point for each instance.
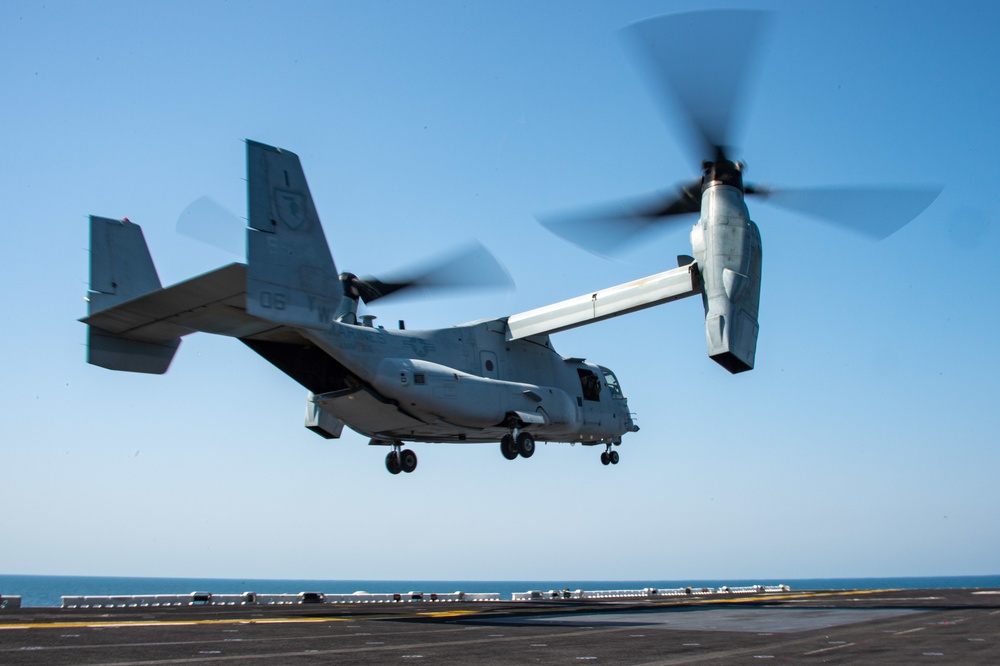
(589, 397)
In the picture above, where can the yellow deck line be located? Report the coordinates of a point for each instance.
(451, 613)
(170, 623)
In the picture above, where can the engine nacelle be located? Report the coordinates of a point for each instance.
(469, 400)
(726, 245)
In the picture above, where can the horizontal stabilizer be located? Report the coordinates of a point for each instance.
(213, 303)
(607, 303)
(142, 334)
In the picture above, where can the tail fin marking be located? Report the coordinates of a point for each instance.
(291, 276)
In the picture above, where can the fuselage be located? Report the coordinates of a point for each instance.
(468, 383)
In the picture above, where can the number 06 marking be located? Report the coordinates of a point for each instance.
(272, 301)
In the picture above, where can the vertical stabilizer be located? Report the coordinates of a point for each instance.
(291, 277)
(120, 266)
(121, 269)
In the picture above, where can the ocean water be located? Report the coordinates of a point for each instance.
(47, 590)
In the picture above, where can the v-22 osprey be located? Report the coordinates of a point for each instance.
(498, 380)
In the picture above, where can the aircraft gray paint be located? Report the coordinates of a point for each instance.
(496, 380)
(488, 381)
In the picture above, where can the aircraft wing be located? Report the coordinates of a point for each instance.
(597, 306)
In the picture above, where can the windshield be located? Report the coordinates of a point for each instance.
(612, 382)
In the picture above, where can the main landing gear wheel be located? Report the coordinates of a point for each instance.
(400, 460)
(508, 447)
(525, 444)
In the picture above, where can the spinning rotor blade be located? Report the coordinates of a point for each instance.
(607, 229)
(210, 222)
(701, 62)
(874, 212)
(698, 62)
(472, 267)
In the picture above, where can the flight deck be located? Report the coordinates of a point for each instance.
(862, 626)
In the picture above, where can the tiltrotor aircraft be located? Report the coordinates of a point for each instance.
(487, 381)
(496, 380)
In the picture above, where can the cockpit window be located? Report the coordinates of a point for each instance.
(612, 382)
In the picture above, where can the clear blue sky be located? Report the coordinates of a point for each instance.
(865, 443)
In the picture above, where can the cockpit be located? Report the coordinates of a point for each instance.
(612, 383)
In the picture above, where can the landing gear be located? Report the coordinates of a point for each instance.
(609, 457)
(522, 444)
(400, 459)
(392, 463)
(508, 447)
(408, 460)
(525, 444)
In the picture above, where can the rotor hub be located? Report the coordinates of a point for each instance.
(350, 284)
(722, 172)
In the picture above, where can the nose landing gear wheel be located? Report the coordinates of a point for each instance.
(525, 444)
(508, 448)
(613, 457)
(605, 459)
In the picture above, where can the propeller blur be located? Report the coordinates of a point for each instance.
(700, 65)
